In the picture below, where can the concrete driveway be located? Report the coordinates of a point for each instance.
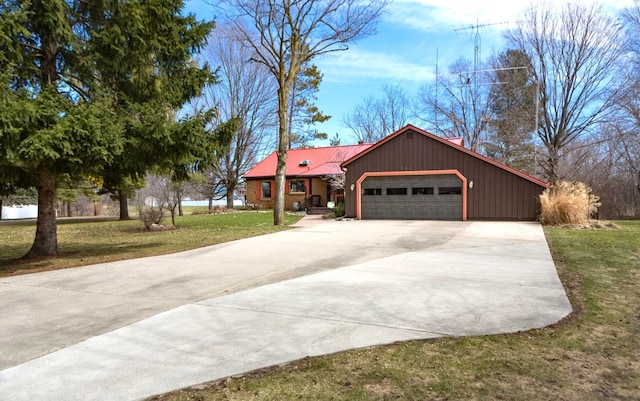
(132, 329)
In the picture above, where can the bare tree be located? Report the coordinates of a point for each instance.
(626, 138)
(628, 123)
(457, 104)
(161, 193)
(246, 92)
(149, 202)
(362, 120)
(625, 145)
(287, 34)
(575, 50)
(206, 186)
(375, 118)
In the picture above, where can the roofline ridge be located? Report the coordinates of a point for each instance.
(448, 143)
(333, 147)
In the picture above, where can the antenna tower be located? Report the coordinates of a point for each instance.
(477, 45)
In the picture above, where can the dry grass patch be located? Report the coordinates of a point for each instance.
(568, 203)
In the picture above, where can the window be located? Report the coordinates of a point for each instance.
(373, 191)
(450, 190)
(422, 191)
(396, 191)
(266, 189)
(297, 186)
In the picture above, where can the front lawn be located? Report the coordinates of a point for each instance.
(84, 243)
(594, 354)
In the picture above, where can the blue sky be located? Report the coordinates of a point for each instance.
(413, 36)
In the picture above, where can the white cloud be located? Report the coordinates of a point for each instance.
(434, 15)
(356, 64)
(434, 20)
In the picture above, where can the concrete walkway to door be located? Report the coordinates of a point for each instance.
(132, 329)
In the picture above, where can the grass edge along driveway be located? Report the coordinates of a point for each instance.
(594, 354)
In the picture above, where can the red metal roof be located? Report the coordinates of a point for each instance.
(451, 143)
(320, 161)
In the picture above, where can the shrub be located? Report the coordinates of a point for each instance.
(338, 211)
(150, 216)
(568, 203)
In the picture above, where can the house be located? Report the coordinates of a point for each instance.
(309, 173)
(413, 174)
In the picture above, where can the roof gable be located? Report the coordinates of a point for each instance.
(447, 142)
(309, 162)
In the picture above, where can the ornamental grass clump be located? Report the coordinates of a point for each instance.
(568, 203)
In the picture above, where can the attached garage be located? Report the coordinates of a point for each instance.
(412, 197)
(415, 175)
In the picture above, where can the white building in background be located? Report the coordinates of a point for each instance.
(19, 212)
(216, 202)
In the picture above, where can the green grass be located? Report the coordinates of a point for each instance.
(594, 354)
(84, 243)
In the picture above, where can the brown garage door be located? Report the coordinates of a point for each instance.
(414, 197)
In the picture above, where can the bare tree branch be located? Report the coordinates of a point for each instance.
(575, 51)
(287, 34)
(375, 118)
(458, 105)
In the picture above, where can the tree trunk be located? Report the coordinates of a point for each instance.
(637, 214)
(230, 192)
(283, 147)
(124, 206)
(551, 168)
(0, 208)
(278, 204)
(180, 212)
(68, 209)
(46, 240)
(210, 199)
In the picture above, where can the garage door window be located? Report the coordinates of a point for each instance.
(396, 191)
(422, 191)
(450, 190)
(373, 191)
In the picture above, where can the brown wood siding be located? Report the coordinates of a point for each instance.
(497, 194)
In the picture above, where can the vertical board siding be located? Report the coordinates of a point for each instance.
(497, 194)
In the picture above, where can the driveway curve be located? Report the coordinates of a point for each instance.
(128, 330)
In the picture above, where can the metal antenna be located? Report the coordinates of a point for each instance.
(436, 111)
(477, 44)
(473, 82)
